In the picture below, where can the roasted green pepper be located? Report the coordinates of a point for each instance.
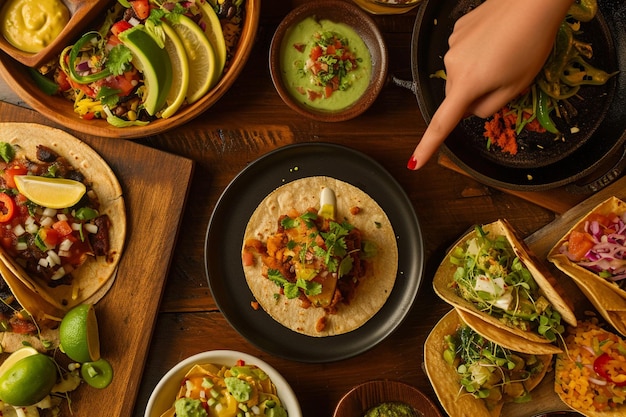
(579, 72)
(583, 10)
(543, 112)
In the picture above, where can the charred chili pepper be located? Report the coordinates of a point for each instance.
(579, 72)
(543, 113)
(583, 10)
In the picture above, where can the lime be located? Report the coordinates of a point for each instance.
(202, 63)
(56, 193)
(213, 32)
(154, 62)
(26, 377)
(180, 67)
(98, 374)
(78, 334)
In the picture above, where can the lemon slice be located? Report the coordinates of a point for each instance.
(56, 193)
(79, 338)
(214, 33)
(153, 62)
(201, 56)
(180, 69)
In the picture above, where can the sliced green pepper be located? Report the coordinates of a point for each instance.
(583, 10)
(543, 113)
(84, 79)
(46, 85)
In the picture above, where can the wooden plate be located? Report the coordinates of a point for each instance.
(370, 394)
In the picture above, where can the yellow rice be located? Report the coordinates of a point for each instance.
(576, 381)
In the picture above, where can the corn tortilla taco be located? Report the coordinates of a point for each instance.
(593, 251)
(345, 299)
(590, 375)
(460, 372)
(80, 263)
(491, 274)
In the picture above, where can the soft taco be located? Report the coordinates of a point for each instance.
(492, 274)
(320, 272)
(65, 255)
(590, 375)
(473, 376)
(594, 250)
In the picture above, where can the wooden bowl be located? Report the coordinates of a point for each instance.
(383, 7)
(338, 12)
(61, 110)
(370, 394)
(81, 13)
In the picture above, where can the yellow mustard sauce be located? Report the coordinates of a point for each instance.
(31, 25)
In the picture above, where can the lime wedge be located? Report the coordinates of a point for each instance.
(154, 62)
(26, 377)
(214, 33)
(78, 334)
(201, 56)
(180, 69)
(56, 193)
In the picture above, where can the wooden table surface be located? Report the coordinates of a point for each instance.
(251, 120)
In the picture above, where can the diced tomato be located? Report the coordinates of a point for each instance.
(7, 208)
(316, 52)
(579, 244)
(62, 227)
(299, 47)
(88, 116)
(328, 90)
(22, 326)
(61, 79)
(600, 218)
(141, 8)
(119, 27)
(247, 258)
(125, 83)
(331, 50)
(49, 236)
(11, 172)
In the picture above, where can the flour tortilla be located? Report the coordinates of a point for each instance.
(373, 289)
(550, 288)
(444, 378)
(91, 281)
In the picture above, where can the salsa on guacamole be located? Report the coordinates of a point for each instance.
(324, 64)
(391, 409)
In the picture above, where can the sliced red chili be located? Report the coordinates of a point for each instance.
(7, 208)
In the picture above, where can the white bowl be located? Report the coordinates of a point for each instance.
(164, 393)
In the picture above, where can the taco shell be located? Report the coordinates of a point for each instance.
(373, 289)
(444, 278)
(444, 378)
(91, 281)
(578, 273)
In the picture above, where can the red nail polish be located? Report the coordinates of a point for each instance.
(412, 163)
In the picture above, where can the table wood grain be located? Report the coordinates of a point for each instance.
(251, 120)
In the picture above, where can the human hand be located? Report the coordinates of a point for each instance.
(496, 50)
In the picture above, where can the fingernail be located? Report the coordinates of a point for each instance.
(412, 163)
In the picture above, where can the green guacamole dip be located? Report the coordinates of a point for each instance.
(310, 85)
(391, 409)
(187, 407)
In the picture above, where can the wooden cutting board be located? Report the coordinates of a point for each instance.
(155, 186)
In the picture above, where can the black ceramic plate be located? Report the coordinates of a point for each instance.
(224, 240)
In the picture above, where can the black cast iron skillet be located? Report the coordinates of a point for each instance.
(602, 117)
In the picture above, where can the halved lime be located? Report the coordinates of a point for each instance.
(26, 377)
(56, 193)
(78, 334)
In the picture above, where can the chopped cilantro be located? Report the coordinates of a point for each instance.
(118, 60)
(6, 151)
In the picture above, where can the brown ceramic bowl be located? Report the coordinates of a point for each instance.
(61, 111)
(339, 12)
(373, 393)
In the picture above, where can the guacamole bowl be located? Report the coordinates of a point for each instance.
(164, 394)
(328, 60)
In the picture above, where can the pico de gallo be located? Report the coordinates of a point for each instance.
(600, 246)
(48, 243)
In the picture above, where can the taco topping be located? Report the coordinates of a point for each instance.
(48, 242)
(591, 374)
(314, 258)
(490, 275)
(488, 371)
(600, 246)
